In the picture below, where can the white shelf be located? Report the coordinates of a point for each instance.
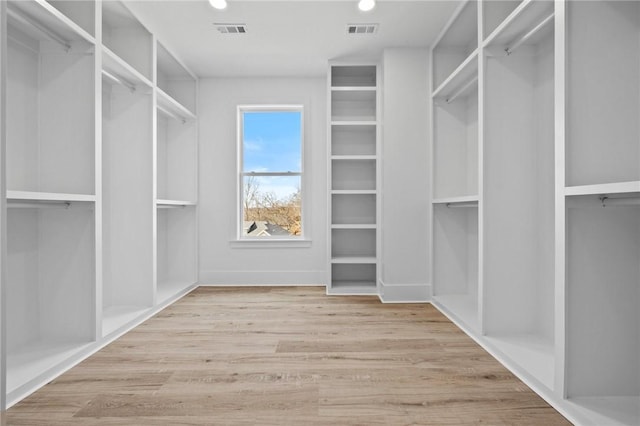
(353, 259)
(466, 72)
(495, 13)
(35, 362)
(177, 203)
(603, 189)
(528, 15)
(45, 14)
(354, 226)
(353, 120)
(353, 157)
(116, 317)
(49, 196)
(533, 354)
(353, 89)
(353, 191)
(368, 121)
(172, 108)
(455, 200)
(120, 69)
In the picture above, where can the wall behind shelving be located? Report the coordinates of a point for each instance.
(220, 263)
(406, 176)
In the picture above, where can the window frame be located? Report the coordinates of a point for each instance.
(264, 241)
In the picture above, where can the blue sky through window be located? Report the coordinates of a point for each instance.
(272, 141)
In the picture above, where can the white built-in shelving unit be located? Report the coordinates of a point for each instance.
(127, 167)
(51, 190)
(536, 182)
(101, 193)
(354, 178)
(176, 185)
(602, 214)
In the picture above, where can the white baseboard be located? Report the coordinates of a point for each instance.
(263, 278)
(405, 293)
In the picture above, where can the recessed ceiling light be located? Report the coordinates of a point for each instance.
(366, 5)
(218, 4)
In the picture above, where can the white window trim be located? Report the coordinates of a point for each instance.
(272, 241)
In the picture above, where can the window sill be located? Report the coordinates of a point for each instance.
(270, 243)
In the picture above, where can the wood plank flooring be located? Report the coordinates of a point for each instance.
(288, 356)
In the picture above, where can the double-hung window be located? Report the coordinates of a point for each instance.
(270, 145)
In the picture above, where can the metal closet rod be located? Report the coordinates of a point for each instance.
(50, 34)
(528, 35)
(620, 201)
(465, 205)
(120, 80)
(461, 90)
(172, 115)
(33, 204)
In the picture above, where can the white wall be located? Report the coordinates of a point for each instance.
(406, 176)
(220, 261)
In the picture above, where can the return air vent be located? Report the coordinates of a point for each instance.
(231, 28)
(362, 28)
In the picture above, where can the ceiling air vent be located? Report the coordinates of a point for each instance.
(231, 28)
(362, 28)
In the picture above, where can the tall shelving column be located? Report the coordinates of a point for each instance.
(51, 189)
(518, 186)
(455, 168)
(602, 214)
(127, 162)
(176, 157)
(354, 178)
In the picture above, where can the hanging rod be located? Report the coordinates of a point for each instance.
(466, 205)
(527, 36)
(172, 115)
(461, 90)
(50, 34)
(620, 201)
(28, 204)
(120, 80)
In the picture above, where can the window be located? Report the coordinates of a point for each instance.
(270, 141)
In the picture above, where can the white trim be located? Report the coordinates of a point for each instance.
(603, 189)
(271, 242)
(263, 278)
(405, 293)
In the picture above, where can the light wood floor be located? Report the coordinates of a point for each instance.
(288, 356)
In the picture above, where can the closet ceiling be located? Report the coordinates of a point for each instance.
(286, 38)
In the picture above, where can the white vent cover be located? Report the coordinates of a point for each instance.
(362, 28)
(231, 28)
